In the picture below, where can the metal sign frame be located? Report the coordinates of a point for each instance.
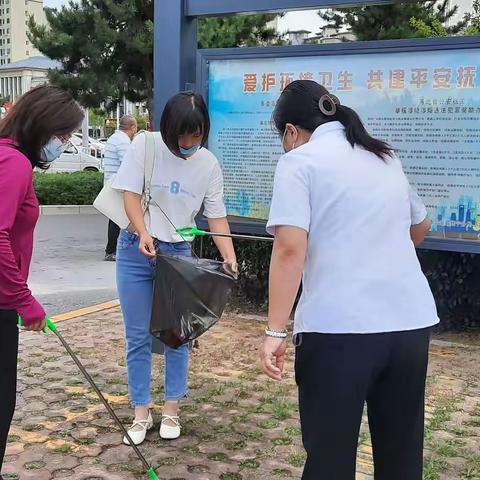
(178, 65)
(254, 227)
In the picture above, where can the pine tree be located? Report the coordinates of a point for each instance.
(106, 46)
(473, 27)
(393, 21)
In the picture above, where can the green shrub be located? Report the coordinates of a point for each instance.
(78, 188)
(455, 282)
(254, 260)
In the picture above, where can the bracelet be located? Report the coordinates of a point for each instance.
(275, 334)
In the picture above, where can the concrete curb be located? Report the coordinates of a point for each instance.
(68, 210)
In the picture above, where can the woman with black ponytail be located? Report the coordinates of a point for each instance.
(344, 216)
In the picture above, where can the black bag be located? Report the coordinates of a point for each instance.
(189, 297)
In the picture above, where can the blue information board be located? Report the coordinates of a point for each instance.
(421, 97)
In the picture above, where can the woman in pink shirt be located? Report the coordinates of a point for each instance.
(33, 134)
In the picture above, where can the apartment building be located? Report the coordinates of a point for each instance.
(14, 18)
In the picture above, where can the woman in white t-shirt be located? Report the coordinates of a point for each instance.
(186, 176)
(343, 214)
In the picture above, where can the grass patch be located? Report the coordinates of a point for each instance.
(441, 415)
(449, 448)
(293, 431)
(269, 424)
(287, 440)
(253, 435)
(432, 468)
(236, 445)
(230, 476)
(223, 428)
(34, 465)
(472, 469)
(218, 457)
(363, 438)
(297, 459)
(473, 423)
(64, 449)
(250, 463)
(283, 410)
(282, 473)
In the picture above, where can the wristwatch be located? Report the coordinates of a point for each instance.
(275, 333)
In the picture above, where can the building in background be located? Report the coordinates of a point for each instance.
(464, 7)
(19, 77)
(14, 18)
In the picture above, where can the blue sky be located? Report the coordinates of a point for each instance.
(54, 3)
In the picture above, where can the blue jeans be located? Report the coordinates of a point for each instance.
(135, 277)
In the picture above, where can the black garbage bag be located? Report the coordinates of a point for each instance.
(189, 297)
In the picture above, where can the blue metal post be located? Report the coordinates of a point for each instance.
(175, 49)
(201, 8)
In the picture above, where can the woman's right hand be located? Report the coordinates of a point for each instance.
(146, 246)
(35, 327)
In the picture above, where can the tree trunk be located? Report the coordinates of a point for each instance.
(150, 107)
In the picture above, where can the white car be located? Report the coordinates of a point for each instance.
(96, 148)
(74, 160)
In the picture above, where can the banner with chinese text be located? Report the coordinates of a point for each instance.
(425, 104)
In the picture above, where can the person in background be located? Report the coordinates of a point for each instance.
(344, 215)
(115, 149)
(33, 134)
(186, 177)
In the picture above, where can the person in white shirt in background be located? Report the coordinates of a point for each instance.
(344, 215)
(186, 177)
(115, 150)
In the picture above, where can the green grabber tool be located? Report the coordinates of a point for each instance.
(53, 328)
(189, 233)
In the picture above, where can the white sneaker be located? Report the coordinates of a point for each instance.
(170, 432)
(138, 430)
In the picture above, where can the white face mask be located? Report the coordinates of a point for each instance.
(53, 149)
(283, 142)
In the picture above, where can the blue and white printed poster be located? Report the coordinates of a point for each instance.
(425, 104)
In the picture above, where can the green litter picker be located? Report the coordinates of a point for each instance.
(53, 328)
(189, 233)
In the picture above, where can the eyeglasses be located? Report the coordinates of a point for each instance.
(64, 138)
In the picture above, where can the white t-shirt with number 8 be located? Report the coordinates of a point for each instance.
(179, 186)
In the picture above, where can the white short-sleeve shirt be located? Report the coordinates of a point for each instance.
(361, 274)
(179, 187)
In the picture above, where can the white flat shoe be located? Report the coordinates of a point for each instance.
(138, 430)
(169, 432)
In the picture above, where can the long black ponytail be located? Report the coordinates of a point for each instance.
(307, 104)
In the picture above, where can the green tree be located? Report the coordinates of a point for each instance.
(237, 31)
(382, 22)
(432, 27)
(473, 27)
(96, 118)
(106, 46)
(428, 29)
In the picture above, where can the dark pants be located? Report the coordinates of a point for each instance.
(8, 374)
(336, 375)
(113, 232)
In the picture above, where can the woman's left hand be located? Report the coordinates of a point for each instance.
(272, 356)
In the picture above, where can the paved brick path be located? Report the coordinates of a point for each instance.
(237, 424)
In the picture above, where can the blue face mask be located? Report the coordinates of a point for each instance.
(53, 149)
(191, 150)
